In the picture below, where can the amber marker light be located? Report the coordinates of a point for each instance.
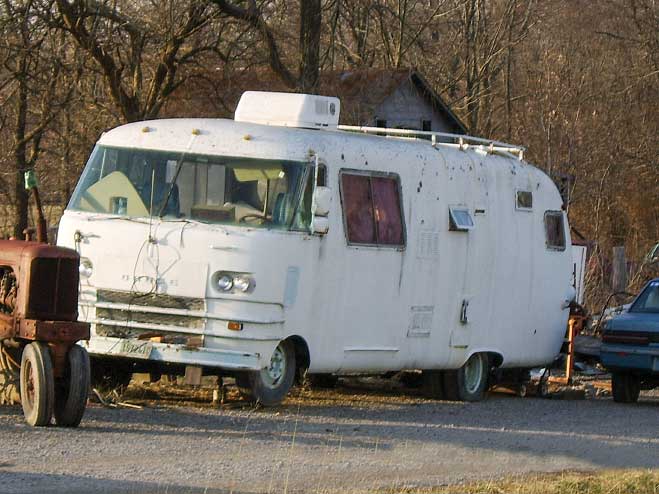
(235, 326)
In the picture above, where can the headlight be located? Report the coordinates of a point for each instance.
(86, 268)
(232, 282)
(242, 283)
(225, 283)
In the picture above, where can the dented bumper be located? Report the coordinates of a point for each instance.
(174, 353)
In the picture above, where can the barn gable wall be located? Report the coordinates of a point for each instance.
(407, 108)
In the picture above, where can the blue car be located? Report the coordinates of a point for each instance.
(630, 346)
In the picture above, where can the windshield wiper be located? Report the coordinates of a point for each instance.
(179, 165)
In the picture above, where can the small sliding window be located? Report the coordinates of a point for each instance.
(460, 219)
(554, 230)
(372, 209)
(524, 200)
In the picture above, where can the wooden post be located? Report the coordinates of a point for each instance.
(569, 366)
(619, 274)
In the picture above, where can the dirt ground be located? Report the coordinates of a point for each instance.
(363, 436)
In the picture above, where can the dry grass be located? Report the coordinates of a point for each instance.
(604, 482)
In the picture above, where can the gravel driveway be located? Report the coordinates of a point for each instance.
(344, 440)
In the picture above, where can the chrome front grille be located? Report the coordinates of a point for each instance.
(149, 318)
(151, 300)
(159, 316)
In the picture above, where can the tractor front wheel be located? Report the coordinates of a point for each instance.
(72, 389)
(37, 384)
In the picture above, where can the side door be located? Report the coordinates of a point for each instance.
(370, 295)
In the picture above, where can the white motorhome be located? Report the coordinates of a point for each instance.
(280, 241)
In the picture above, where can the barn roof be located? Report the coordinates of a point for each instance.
(361, 92)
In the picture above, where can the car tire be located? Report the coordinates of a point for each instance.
(270, 385)
(469, 382)
(625, 387)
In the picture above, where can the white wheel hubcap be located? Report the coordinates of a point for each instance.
(274, 373)
(473, 373)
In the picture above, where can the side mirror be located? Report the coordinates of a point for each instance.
(320, 224)
(322, 200)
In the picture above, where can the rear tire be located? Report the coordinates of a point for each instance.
(37, 384)
(625, 387)
(73, 389)
(469, 382)
(270, 386)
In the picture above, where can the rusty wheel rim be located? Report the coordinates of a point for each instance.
(29, 384)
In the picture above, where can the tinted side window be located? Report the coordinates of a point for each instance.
(372, 209)
(554, 230)
(358, 209)
(386, 201)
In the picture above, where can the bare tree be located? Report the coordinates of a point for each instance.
(141, 48)
(33, 91)
(308, 53)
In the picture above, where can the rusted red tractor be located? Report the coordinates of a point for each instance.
(39, 330)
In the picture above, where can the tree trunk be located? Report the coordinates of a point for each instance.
(310, 20)
(20, 157)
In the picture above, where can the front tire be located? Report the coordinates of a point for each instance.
(73, 389)
(469, 382)
(37, 384)
(625, 387)
(270, 385)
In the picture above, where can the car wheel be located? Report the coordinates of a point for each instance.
(270, 385)
(469, 382)
(625, 387)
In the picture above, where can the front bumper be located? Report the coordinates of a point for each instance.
(172, 353)
(182, 330)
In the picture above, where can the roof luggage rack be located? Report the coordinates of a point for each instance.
(459, 141)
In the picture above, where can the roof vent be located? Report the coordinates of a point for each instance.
(306, 111)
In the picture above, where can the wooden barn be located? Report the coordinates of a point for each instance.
(399, 98)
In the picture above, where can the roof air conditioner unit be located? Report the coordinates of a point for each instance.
(307, 111)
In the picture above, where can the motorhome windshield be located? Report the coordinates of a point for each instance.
(211, 189)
